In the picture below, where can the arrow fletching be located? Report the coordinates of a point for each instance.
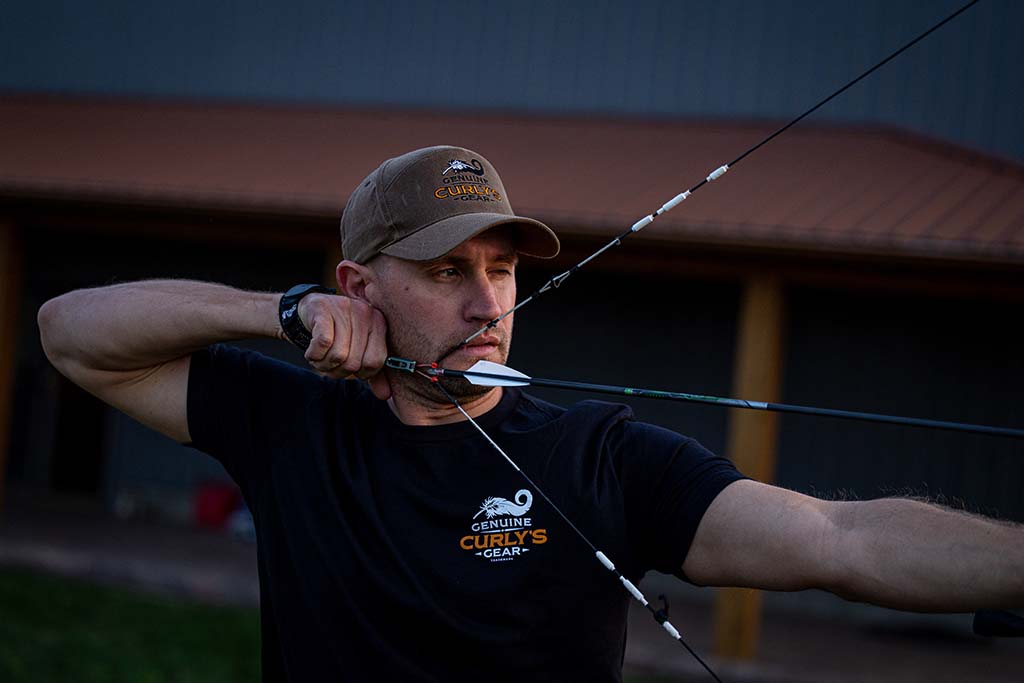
(487, 374)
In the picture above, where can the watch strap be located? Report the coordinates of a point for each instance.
(288, 313)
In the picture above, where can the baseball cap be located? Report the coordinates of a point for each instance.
(421, 205)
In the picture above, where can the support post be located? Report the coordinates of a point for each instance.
(752, 441)
(10, 290)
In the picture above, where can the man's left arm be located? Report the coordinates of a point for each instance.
(898, 553)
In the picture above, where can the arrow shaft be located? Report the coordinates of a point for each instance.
(558, 280)
(750, 405)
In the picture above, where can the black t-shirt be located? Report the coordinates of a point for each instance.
(394, 552)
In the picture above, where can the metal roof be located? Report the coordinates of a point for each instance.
(839, 190)
(671, 58)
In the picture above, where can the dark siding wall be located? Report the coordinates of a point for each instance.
(927, 357)
(132, 457)
(733, 59)
(913, 355)
(634, 330)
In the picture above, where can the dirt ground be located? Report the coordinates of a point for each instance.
(76, 538)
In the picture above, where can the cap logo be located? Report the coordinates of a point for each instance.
(468, 193)
(467, 183)
(460, 166)
(424, 203)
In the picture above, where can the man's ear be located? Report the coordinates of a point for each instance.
(353, 279)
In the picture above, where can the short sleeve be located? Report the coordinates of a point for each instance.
(244, 407)
(669, 481)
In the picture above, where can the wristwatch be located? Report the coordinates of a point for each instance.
(288, 313)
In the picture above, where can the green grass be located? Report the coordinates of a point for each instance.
(57, 629)
(54, 629)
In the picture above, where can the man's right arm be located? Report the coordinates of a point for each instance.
(130, 345)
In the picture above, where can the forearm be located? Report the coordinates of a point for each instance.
(142, 324)
(911, 555)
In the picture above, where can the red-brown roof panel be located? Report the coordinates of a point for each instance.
(1002, 215)
(943, 203)
(812, 188)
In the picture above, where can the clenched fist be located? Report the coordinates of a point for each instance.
(349, 339)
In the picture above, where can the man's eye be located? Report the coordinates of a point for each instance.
(447, 272)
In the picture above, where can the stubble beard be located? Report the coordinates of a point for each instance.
(407, 342)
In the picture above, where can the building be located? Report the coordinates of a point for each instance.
(846, 264)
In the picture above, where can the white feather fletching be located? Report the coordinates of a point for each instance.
(506, 376)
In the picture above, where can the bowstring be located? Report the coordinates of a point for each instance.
(556, 281)
(661, 616)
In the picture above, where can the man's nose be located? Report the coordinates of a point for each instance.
(484, 300)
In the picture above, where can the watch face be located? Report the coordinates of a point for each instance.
(299, 289)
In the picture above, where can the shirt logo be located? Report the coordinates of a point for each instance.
(492, 507)
(505, 532)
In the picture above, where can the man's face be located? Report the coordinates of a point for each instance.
(431, 306)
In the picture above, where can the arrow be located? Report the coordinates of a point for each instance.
(508, 377)
(488, 374)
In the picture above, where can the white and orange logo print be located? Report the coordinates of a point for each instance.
(505, 532)
(468, 183)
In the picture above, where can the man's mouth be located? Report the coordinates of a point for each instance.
(482, 346)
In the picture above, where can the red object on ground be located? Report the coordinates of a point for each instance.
(214, 502)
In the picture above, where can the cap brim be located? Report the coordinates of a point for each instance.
(533, 238)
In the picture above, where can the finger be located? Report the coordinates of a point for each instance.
(376, 351)
(359, 329)
(322, 339)
(338, 355)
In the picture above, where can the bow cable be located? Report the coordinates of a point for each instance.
(661, 616)
(410, 366)
(557, 280)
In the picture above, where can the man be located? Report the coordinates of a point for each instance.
(394, 542)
